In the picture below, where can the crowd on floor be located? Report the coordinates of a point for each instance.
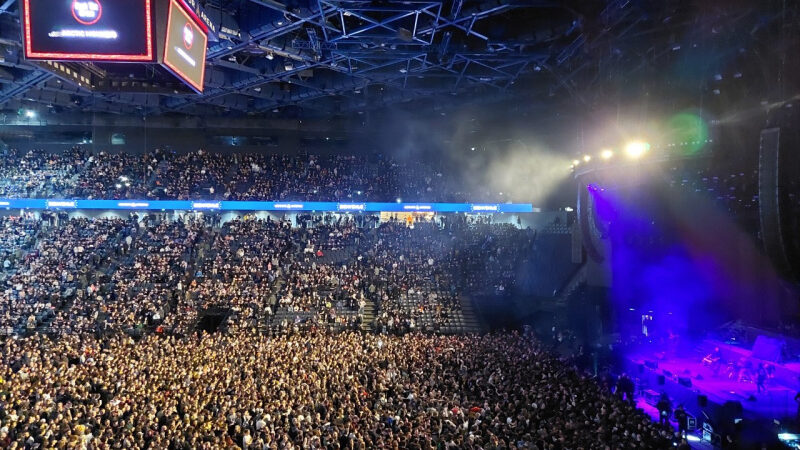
(310, 390)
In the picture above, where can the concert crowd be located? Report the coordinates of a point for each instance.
(159, 174)
(335, 331)
(103, 350)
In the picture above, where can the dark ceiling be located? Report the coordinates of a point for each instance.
(329, 58)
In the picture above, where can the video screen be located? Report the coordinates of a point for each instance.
(185, 48)
(90, 30)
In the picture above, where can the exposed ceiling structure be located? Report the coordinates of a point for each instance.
(333, 57)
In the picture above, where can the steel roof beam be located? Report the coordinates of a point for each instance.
(271, 31)
(359, 12)
(6, 5)
(27, 82)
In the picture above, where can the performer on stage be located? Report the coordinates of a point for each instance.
(714, 360)
(761, 378)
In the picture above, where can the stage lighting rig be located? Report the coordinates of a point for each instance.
(637, 149)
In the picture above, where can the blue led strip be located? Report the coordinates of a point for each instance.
(221, 205)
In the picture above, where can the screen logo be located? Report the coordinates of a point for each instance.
(188, 35)
(185, 46)
(87, 12)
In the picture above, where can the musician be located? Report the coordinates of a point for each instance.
(714, 360)
(761, 378)
(746, 373)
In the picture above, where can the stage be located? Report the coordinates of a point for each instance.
(715, 397)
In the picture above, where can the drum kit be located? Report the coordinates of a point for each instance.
(743, 370)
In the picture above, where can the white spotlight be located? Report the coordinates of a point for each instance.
(606, 154)
(30, 114)
(587, 158)
(575, 162)
(637, 149)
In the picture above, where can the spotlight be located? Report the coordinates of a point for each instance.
(636, 149)
(575, 162)
(587, 158)
(30, 114)
(606, 154)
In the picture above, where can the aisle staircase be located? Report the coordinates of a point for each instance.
(470, 323)
(368, 318)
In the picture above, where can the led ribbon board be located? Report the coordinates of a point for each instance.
(88, 30)
(185, 47)
(217, 205)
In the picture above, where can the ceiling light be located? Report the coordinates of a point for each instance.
(636, 149)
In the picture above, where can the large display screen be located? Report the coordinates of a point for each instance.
(185, 47)
(90, 30)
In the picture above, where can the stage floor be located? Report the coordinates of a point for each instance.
(776, 403)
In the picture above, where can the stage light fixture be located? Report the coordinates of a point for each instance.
(575, 162)
(606, 154)
(587, 158)
(637, 149)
